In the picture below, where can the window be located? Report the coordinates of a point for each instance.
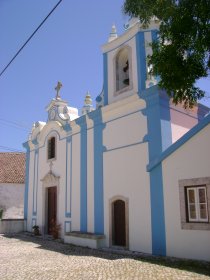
(122, 66)
(197, 204)
(51, 148)
(194, 197)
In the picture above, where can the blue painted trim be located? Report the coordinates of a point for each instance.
(124, 42)
(157, 212)
(67, 127)
(65, 226)
(105, 72)
(154, 34)
(67, 214)
(83, 172)
(141, 61)
(34, 181)
(71, 162)
(96, 116)
(154, 137)
(196, 129)
(26, 146)
(37, 176)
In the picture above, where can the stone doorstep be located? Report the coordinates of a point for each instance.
(87, 235)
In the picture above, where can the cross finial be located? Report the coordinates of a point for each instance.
(57, 88)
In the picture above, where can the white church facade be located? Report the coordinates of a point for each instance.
(133, 173)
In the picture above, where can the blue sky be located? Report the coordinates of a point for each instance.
(67, 48)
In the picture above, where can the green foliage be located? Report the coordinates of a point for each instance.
(182, 54)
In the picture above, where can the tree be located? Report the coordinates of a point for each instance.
(182, 53)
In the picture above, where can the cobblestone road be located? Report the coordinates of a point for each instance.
(26, 257)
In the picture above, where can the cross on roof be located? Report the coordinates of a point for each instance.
(57, 88)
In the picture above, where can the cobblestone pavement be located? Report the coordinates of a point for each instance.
(26, 257)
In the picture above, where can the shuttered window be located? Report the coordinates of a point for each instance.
(51, 148)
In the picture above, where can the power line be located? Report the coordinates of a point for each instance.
(29, 38)
(17, 124)
(10, 149)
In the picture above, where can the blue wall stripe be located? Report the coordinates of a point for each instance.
(67, 214)
(71, 177)
(157, 212)
(37, 176)
(105, 70)
(83, 173)
(141, 61)
(34, 183)
(96, 116)
(156, 183)
(25, 145)
(153, 114)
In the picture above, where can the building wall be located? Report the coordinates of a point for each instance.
(125, 173)
(182, 120)
(12, 200)
(191, 160)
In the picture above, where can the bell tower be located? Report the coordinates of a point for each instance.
(125, 66)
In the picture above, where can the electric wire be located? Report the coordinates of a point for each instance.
(14, 124)
(30, 38)
(10, 149)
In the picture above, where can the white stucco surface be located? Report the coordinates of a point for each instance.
(103, 157)
(12, 200)
(192, 160)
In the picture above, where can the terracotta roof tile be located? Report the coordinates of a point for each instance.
(12, 168)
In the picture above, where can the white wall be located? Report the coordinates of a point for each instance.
(192, 160)
(125, 170)
(12, 200)
(11, 226)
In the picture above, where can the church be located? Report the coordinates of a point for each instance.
(134, 173)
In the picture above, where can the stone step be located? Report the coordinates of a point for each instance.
(85, 239)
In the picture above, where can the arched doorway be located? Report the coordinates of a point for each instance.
(119, 223)
(50, 201)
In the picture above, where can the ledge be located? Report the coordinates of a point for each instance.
(86, 235)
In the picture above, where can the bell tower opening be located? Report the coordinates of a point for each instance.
(122, 69)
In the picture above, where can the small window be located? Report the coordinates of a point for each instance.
(51, 148)
(197, 204)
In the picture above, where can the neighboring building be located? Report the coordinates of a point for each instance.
(12, 184)
(134, 173)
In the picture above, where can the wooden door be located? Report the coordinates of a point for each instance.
(52, 208)
(119, 225)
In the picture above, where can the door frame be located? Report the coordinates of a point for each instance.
(49, 180)
(47, 207)
(111, 220)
